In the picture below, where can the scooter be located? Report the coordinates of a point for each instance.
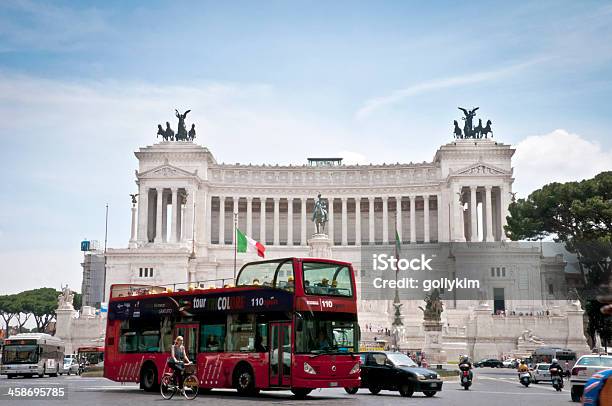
(466, 379)
(557, 380)
(525, 378)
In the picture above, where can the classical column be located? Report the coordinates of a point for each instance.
(173, 228)
(442, 228)
(473, 214)
(344, 222)
(158, 214)
(221, 220)
(276, 221)
(164, 218)
(249, 216)
(262, 220)
(181, 226)
(426, 218)
(412, 218)
(358, 221)
(398, 217)
(303, 222)
(289, 221)
(371, 220)
(236, 213)
(458, 232)
(143, 213)
(189, 214)
(503, 210)
(489, 213)
(385, 214)
(207, 216)
(133, 226)
(330, 222)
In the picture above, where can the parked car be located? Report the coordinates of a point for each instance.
(489, 362)
(510, 363)
(582, 371)
(71, 366)
(394, 371)
(541, 372)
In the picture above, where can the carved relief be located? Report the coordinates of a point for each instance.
(165, 171)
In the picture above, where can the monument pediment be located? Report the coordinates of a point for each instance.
(165, 171)
(480, 169)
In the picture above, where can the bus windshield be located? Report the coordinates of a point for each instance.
(327, 279)
(326, 333)
(20, 354)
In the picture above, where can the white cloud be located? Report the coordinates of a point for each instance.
(559, 156)
(352, 158)
(396, 96)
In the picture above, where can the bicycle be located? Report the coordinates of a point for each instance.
(169, 387)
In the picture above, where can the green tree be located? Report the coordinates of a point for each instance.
(41, 303)
(8, 309)
(578, 214)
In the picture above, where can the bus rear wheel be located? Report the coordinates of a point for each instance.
(148, 378)
(301, 393)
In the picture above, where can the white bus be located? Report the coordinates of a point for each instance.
(32, 354)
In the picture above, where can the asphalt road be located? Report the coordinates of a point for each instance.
(498, 387)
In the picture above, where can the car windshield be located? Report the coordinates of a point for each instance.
(401, 360)
(544, 366)
(327, 279)
(20, 354)
(318, 333)
(595, 361)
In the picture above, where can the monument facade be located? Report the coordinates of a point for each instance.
(183, 225)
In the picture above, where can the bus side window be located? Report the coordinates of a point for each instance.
(212, 337)
(240, 335)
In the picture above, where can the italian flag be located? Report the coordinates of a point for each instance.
(244, 243)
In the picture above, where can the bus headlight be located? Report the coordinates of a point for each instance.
(355, 369)
(308, 369)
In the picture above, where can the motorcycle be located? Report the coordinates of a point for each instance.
(466, 378)
(525, 378)
(557, 380)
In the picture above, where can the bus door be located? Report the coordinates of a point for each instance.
(280, 353)
(189, 332)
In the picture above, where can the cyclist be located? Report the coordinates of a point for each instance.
(179, 360)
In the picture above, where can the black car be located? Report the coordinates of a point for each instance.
(489, 362)
(397, 372)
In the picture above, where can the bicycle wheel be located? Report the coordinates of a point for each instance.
(167, 387)
(190, 387)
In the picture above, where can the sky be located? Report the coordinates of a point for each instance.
(84, 84)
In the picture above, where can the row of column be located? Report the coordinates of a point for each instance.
(492, 223)
(153, 215)
(330, 224)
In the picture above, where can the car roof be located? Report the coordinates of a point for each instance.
(596, 356)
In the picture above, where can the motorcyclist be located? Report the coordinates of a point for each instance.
(466, 364)
(559, 370)
(522, 368)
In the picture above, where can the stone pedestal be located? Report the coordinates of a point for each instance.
(320, 246)
(575, 329)
(434, 354)
(481, 334)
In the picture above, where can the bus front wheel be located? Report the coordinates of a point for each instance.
(148, 378)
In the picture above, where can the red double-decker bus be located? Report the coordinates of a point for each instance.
(286, 324)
